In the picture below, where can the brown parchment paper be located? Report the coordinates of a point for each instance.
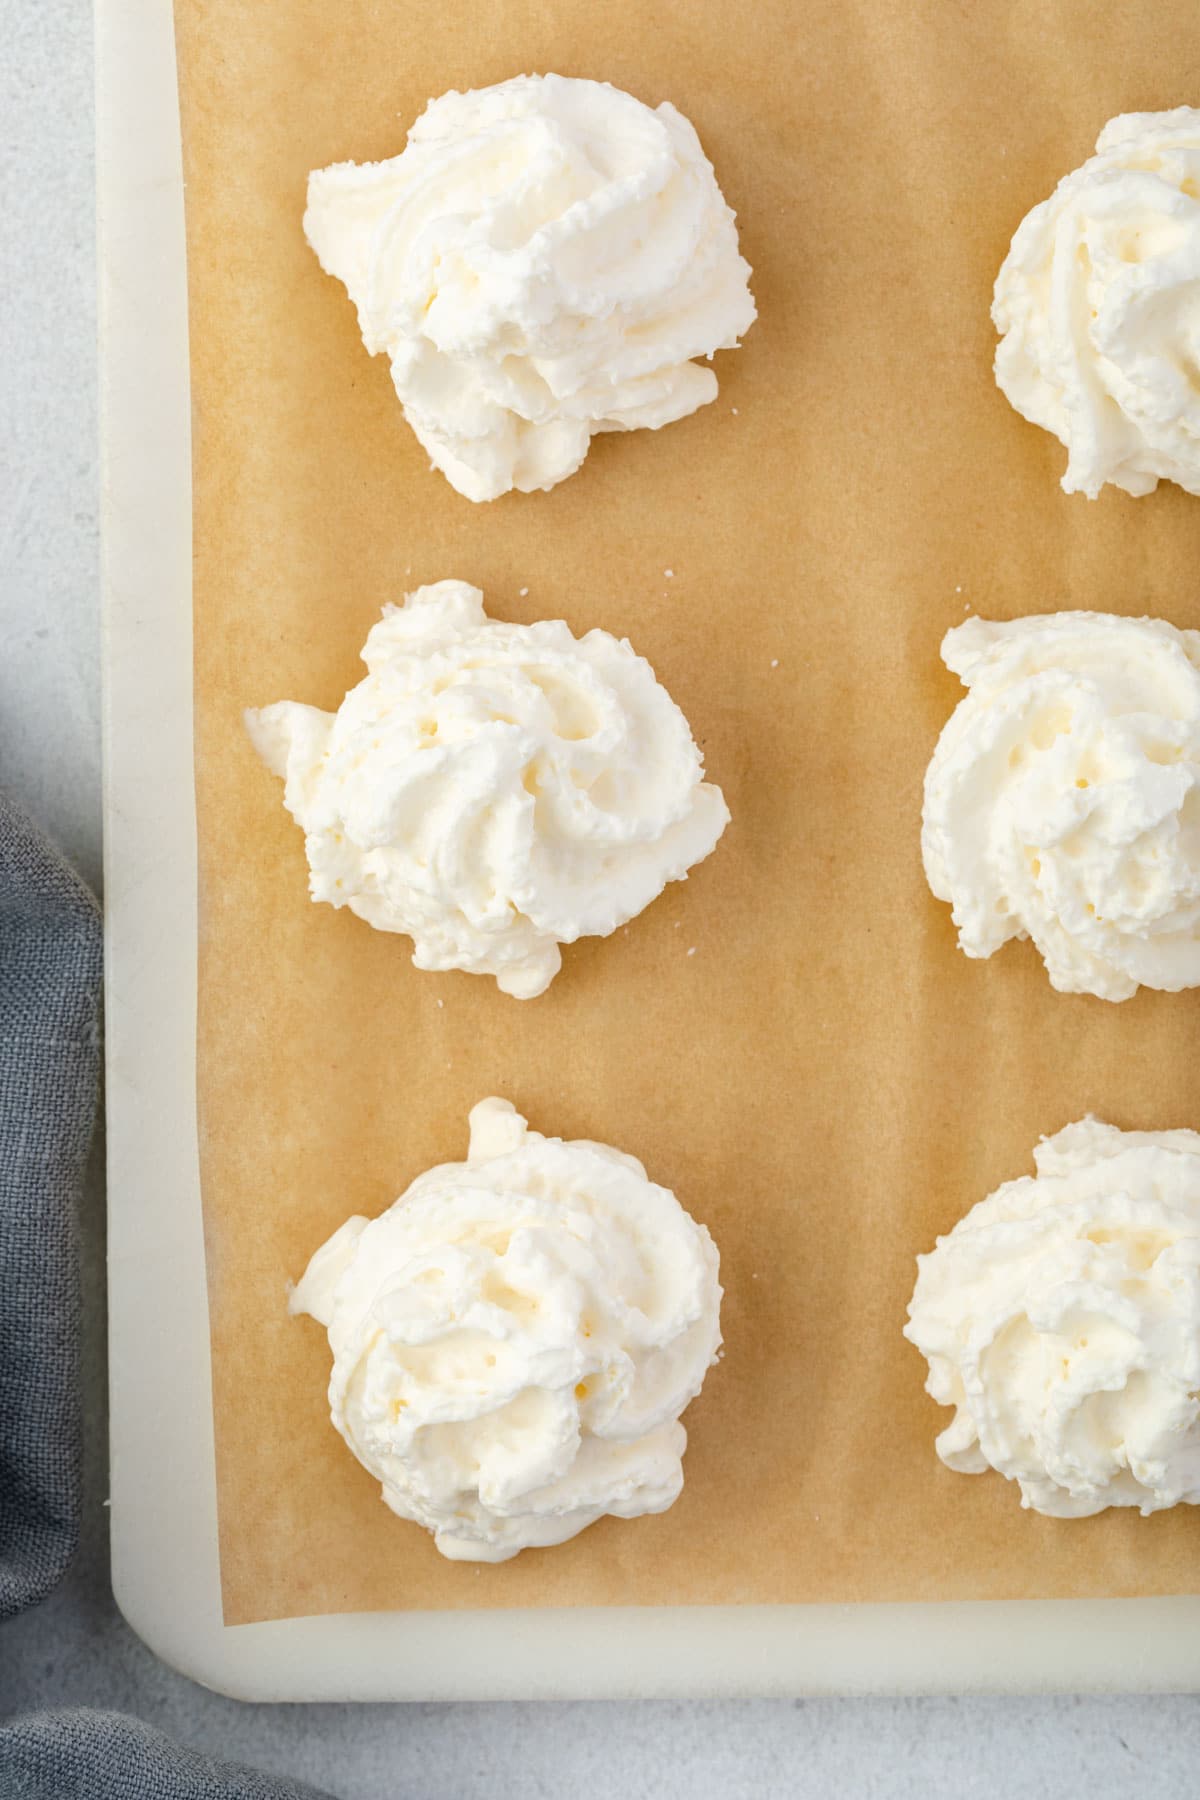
(826, 1082)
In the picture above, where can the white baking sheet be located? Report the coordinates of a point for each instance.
(164, 1534)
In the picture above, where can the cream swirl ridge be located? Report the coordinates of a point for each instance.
(1061, 1320)
(493, 790)
(542, 262)
(1063, 800)
(515, 1338)
(1098, 308)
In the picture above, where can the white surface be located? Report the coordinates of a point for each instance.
(49, 693)
(75, 1650)
(164, 1551)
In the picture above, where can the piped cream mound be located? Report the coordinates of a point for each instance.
(1063, 799)
(515, 1338)
(1098, 309)
(1061, 1320)
(493, 790)
(543, 261)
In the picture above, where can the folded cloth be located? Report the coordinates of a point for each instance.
(50, 968)
(83, 1755)
(50, 964)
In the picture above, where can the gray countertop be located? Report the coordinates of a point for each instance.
(75, 1649)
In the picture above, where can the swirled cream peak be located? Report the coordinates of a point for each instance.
(1063, 800)
(515, 1338)
(493, 790)
(1098, 309)
(544, 260)
(1061, 1320)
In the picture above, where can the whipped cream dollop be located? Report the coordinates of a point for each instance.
(543, 261)
(1061, 1320)
(493, 790)
(515, 1338)
(1063, 799)
(1098, 308)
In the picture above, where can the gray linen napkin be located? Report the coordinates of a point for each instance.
(84, 1755)
(50, 967)
(50, 962)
